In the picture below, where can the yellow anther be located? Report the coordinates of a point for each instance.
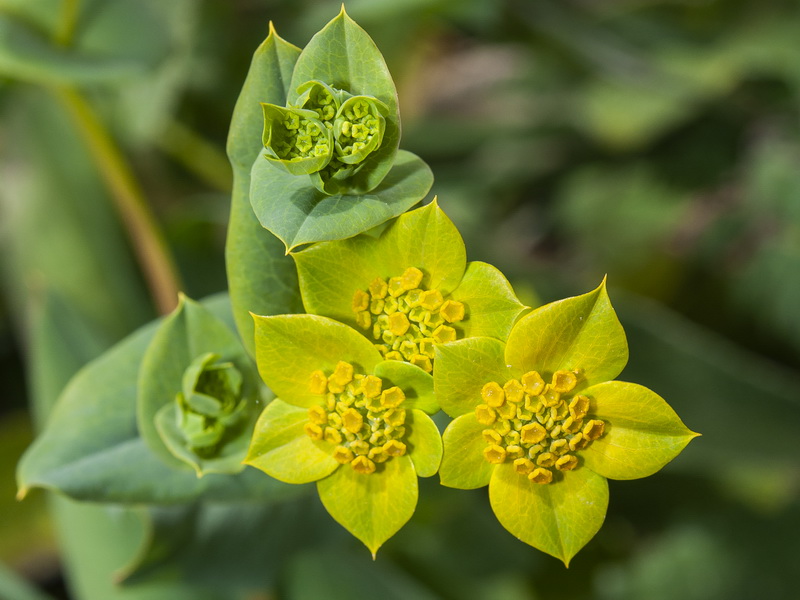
(332, 436)
(485, 415)
(393, 355)
(396, 286)
(413, 298)
(507, 411)
(360, 447)
(534, 450)
(398, 323)
(593, 429)
(426, 347)
(363, 465)
(411, 278)
(377, 439)
(567, 463)
(533, 383)
(491, 436)
(319, 383)
(512, 438)
(564, 381)
(559, 447)
(423, 362)
(452, 311)
(318, 415)
(532, 403)
(334, 419)
(390, 305)
(523, 466)
(378, 288)
(343, 373)
(532, 433)
(579, 407)
(546, 459)
(392, 397)
(444, 334)
(541, 476)
(313, 431)
(493, 394)
(371, 386)
(352, 420)
(514, 391)
(364, 319)
(576, 442)
(514, 452)
(570, 425)
(431, 299)
(360, 301)
(378, 455)
(394, 448)
(502, 427)
(395, 416)
(342, 454)
(550, 397)
(495, 454)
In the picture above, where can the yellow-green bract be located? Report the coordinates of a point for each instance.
(347, 419)
(539, 420)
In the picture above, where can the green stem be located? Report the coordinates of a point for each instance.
(197, 154)
(67, 22)
(148, 243)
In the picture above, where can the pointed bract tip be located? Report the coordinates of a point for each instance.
(342, 11)
(272, 28)
(22, 493)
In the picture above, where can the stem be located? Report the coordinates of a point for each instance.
(197, 154)
(145, 236)
(67, 22)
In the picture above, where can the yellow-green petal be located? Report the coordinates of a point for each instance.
(463, 464)
(492, 305)
(424, 443)
(463, 368)
(558, 518)
(372, 507)
(582, 332)
(289, 348)
(417, 385)
(642, 432)
(281, 448)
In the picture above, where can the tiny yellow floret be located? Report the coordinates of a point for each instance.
(491, 436)
(444, 334)
(493, 394)
(577, 442)
(564, 381)
(452, 311)
(514, 391)
(507, 411)
(394, 448)
(392, 397)
(363, 465)
(546, 459)
(342, 454)
(319, 383)
(398, 323)
(495, 454)
(396, 286)
(313, 431)
(431, 299)
(485, 415)
(567, 463)
(371, 386)
(342, 374)
(533, 383)
(532, 433)
(352, 420)
(332, 436)
(593, 430)
(579, 407)
(422, 361)
(550, 397)
(378, 455)
(395, 416)
(541, 476)
(360, 301)
(523, 466)
(378, 288)
(411, 278)
(364, 319)
(318, 415)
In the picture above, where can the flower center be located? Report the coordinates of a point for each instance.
(363, 421)
(302, 137)
(406, 319)
(538, 426)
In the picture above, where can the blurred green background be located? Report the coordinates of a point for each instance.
(656, 141)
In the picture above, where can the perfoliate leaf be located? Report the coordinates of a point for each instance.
(580, 333)
(289, 348)
(261, 278)
(642, 432)
(463, 368)
(558, 518)
(298, 213)
(463, 464)
(189, 333)
(424, 442)
(372, 507)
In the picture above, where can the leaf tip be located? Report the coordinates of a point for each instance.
(272, 31)
(22, 493)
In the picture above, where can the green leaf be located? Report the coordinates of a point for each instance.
(463, 464)
(558, 518)
(298, 213)
(642, 432)
(372, 507)
(191, 331)
(261, 278)
(281, 448)
(343, 56)
(582, 332)
(289, 348)
(91, 449)
(425, 443)
(463, 368)
(416, 384)
(330, 273)
(492, 306)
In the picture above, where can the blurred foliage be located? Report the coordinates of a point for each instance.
(657, 142)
